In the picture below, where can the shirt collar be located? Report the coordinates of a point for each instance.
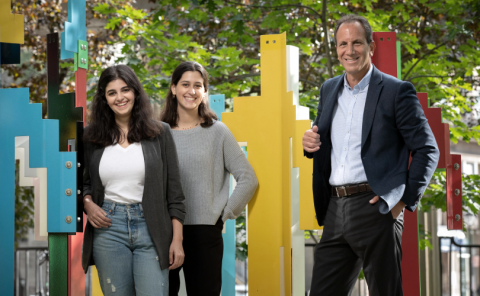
(363, 83)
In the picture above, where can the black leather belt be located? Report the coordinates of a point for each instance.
(342, 191)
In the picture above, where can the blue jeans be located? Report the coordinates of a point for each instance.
(125, 255)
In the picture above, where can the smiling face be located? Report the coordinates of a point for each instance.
(190, 90)
(354, 53)
(120, 97)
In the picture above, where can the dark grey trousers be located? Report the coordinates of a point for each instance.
(356, 235)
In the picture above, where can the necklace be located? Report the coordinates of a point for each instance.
(187, 128)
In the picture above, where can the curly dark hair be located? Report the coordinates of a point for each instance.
(169, 111)
(102, 128)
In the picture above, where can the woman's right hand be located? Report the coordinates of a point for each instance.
(96, 215)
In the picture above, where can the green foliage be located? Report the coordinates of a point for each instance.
(435, 195)
(361, 276)
(424, 238)
(241, 252)
(24, 205)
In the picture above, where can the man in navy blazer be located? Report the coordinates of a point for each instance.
(368, 125)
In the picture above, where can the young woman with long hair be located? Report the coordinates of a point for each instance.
(207, 153)
(132, 191)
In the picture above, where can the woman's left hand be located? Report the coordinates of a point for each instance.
(176, 254)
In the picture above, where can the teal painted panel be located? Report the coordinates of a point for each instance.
(20, 118)
(64, 54)
(217, 104)
(75, 28)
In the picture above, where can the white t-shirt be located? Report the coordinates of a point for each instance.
(122, 171)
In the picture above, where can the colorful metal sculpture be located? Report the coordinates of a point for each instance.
(20, 118)
(272, 139)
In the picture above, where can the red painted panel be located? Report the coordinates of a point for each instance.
(434, 117)
(385, 59)
(423, 98)
(444, 145)
(81, 91)
(76, 278)
(454, 198)
(410, 261)
(385, 55)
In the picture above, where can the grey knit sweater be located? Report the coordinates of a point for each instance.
(207, 157)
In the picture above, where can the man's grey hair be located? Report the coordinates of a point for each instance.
(352, 18)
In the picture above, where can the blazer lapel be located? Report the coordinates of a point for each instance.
(374, 90)
(330, 100)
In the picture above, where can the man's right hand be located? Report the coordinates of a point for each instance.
(96, 216)
(311, 140)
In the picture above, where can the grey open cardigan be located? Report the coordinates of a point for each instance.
(162, 196)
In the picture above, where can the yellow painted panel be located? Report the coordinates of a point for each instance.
(305, 165)
(267, 123)
(96, 289)
(11, 25)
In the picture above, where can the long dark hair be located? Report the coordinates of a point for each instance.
(169, 111)
(103, 129)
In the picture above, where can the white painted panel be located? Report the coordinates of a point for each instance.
(42, 211)
(23, 142)
(183, 290)
(293, 81)
(297, 235)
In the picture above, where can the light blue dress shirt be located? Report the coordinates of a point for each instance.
(346, 133)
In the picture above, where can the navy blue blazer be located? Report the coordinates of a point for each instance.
(394, 126)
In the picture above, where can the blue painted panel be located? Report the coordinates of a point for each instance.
(228, 263)
(7, 204)
(217, 104)
(64, 54)
(75, 28)
(19, 118)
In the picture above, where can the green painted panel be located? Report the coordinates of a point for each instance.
(82, 54)
(75, 58)
(58, 248)
(399, 61)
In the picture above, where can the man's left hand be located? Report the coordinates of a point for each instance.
(396, 210)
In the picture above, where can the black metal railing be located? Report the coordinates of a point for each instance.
(459, 268)
(30, 261)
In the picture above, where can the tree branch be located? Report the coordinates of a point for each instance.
(277, 7)
(238, 77)
(435, 76)
(311, 83)
(423, 56)
(323, 17)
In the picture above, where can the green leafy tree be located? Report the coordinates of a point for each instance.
(24, 198)
(439, 51)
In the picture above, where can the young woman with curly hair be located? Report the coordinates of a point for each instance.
(132, 192)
